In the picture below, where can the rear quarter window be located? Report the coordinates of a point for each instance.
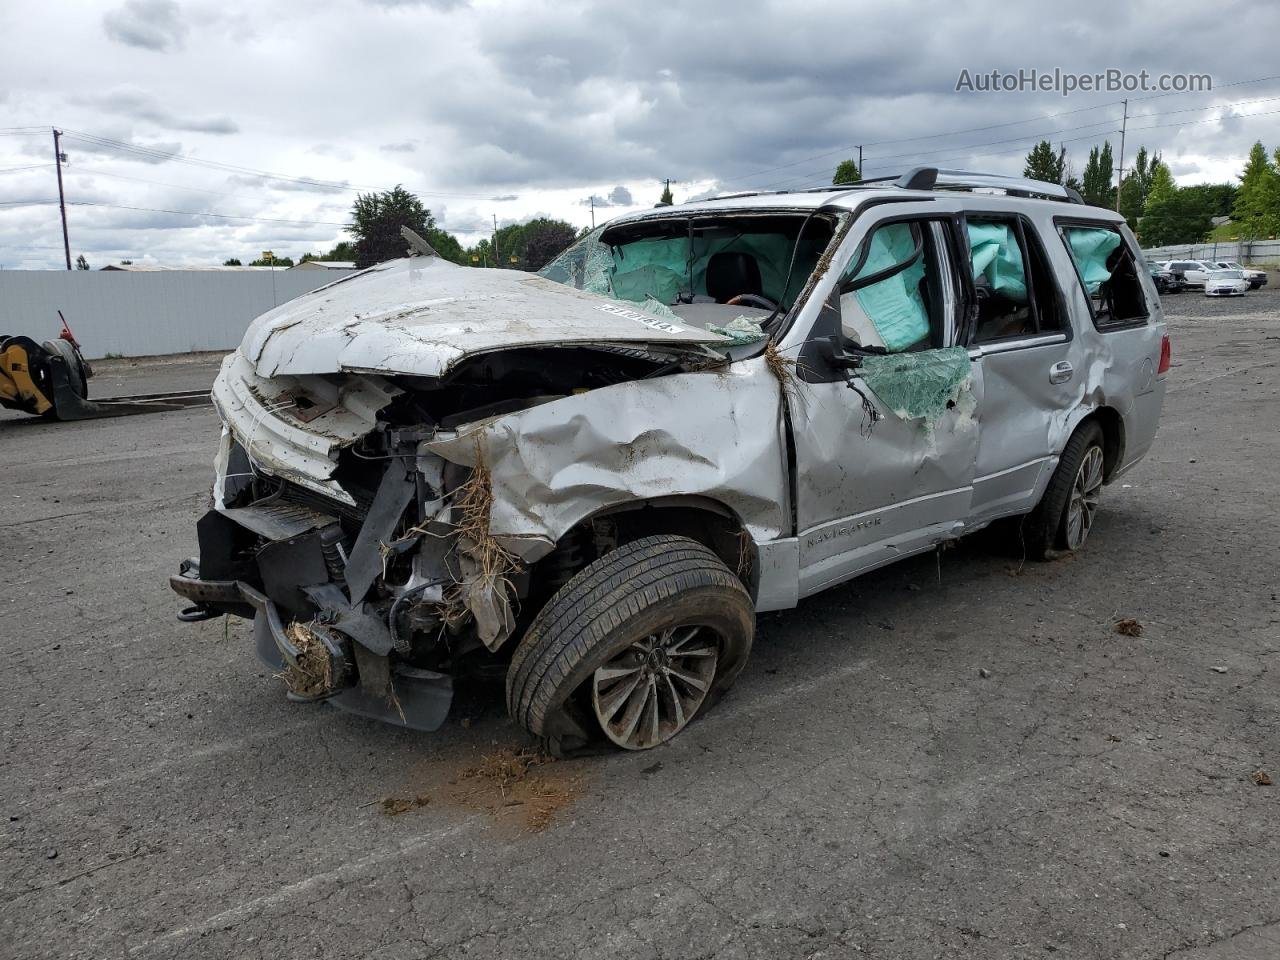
(1109, 274)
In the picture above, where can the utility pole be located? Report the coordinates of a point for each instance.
(859, 161)
(1120, 181)
(593, 211)
(497, 263)
(59, 158)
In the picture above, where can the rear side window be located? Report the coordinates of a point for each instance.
(1016, 295)
(1108, 273)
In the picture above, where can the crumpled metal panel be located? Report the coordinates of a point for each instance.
(257, 414)
(710, 434)
(420, 316)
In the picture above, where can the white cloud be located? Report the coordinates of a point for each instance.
(517, 107)
(149, 24)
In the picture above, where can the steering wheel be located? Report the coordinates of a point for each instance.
(751, 300)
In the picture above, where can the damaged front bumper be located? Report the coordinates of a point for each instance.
(372, 684)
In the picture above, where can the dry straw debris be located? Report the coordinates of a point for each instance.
(507, 781)
(312, 673)
(474, 502)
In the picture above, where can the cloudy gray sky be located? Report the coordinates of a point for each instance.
(514, 108)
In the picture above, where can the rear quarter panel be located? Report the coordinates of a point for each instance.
(1118, 363)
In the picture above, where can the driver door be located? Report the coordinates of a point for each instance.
(884, 457)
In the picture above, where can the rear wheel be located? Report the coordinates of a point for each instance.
(1063, 519)
(633, 647)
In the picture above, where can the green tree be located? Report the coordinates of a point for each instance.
(82, 263)
(544, 239)
(1162, 187)
(1257, 204)
(1173, 215)
(481, 255)
(1134, 189)
(273, 261)
(1183, 218)
(1044, 164)
(510, 246)
(666, 199)
(846, 172)
(1096, 185)
(1220, 197)
(1099, 173)
(446, 244)
(232, 262)
(376, 219)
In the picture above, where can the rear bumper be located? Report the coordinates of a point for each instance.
(380, 688)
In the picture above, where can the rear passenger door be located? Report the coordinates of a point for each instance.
(1025, 357)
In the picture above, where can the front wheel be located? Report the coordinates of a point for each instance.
(633, 647)
(1061, 522)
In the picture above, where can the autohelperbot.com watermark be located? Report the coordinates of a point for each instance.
(1065, 82)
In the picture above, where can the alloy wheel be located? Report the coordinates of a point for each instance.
(651, 690)
(1085, 494)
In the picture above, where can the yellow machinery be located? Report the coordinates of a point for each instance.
(51, 380)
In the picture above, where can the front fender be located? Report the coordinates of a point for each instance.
(715, 434)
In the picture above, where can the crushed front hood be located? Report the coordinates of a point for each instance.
(420, 316)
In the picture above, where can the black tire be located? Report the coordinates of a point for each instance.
(655, 584)
(1043, 531)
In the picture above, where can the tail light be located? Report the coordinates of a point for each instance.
(1166, 356)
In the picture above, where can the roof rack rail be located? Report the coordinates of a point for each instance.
(931, 178)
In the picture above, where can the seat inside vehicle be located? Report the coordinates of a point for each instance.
(732, 273)
(700, 258)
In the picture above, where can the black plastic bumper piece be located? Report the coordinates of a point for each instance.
(416, 699)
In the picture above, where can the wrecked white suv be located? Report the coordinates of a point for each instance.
(589, 481)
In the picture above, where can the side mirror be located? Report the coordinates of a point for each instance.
(835, 352)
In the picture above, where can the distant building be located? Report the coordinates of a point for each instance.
(344, 266)
(156, 268)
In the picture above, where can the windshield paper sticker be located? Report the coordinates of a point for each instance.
(653, 323)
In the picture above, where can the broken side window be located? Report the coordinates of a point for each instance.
(1108, 271)
(1014, 285)
(897, 292)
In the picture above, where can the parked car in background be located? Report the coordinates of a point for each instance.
(1226, 283)
(1192, 273)
(1256, 278)
(1166, 280)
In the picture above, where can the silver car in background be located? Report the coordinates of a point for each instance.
(588, 482)
(1226, 283)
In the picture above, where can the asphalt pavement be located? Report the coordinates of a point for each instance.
(957, 756)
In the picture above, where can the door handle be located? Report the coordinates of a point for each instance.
(1061, 372)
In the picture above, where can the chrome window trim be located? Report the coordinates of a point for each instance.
(1004, 346)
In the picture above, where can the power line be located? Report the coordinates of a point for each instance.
(996, 126)
(931, 136)
(150, 153)
(155, 183)
(180, 213)
(193, 213)
(955, 150)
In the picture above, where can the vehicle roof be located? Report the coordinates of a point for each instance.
(850, 198)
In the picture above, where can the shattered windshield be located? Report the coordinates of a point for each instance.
(727, 274)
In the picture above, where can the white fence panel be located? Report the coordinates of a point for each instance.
(1246, 251)
(141, 314)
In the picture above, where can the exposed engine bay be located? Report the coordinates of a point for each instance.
(387, 567)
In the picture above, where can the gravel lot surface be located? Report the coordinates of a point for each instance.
(957, 756)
